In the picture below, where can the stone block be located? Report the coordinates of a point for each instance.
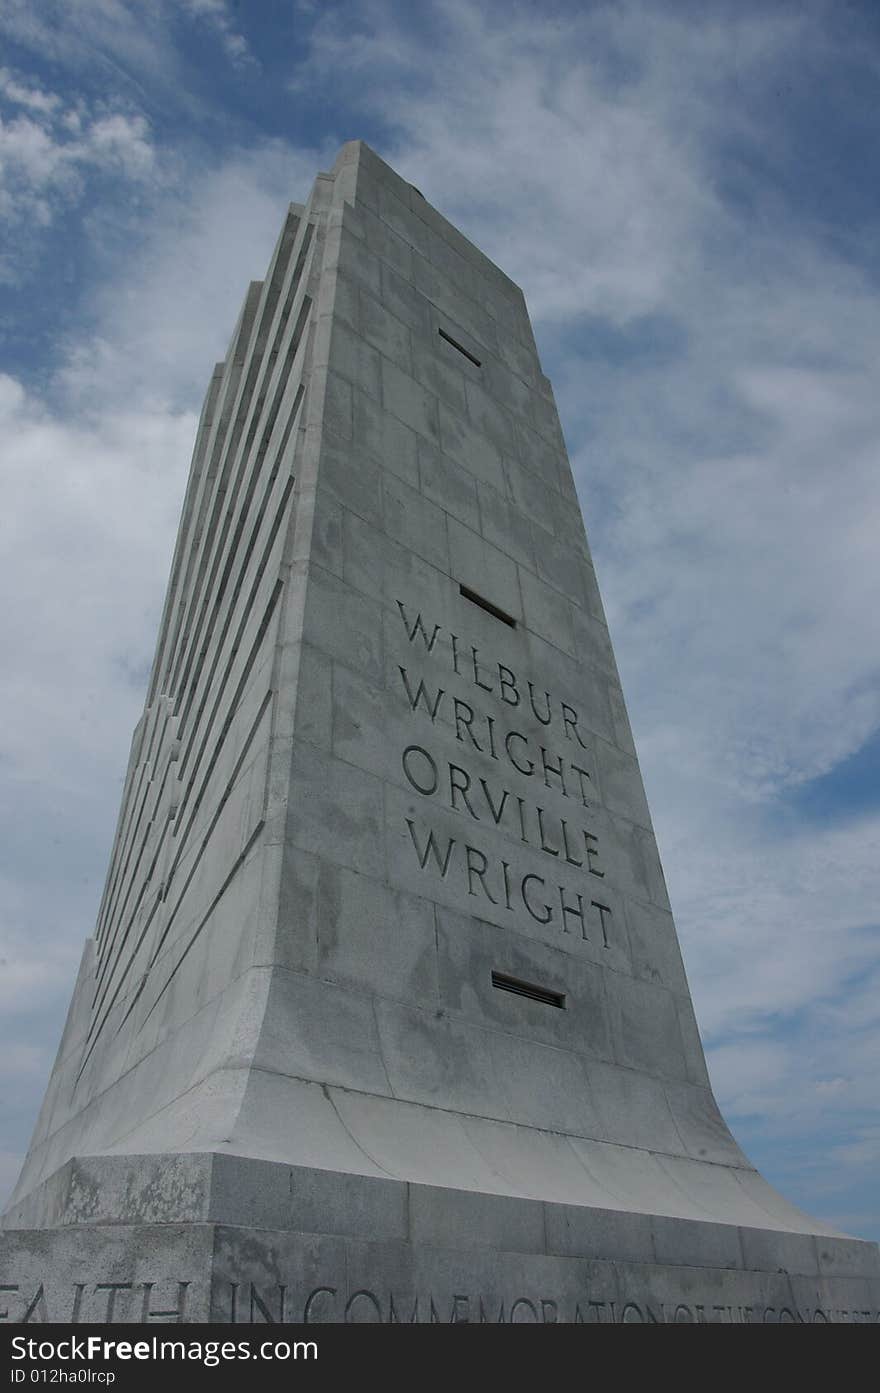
(475, 453)
(439, 375)
(410, 402)
(532, 495)
(505, 527)
(448, 485)
(402, 300)
(385, 332)
(374, 938)
(335, 791)
(416, 523)
(391, 444)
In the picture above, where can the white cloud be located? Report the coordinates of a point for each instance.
(749, 1072)
(49, 150)
(10, 1166)
(39, 953)
(93, 501)
(216, 14)
(93, 479)
(136, 36)
(179, 303)
(863, 1152)
(116, 38)
(24, 1063)
(573, 187)
(22, 94)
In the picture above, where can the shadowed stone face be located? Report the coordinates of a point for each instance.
(384, 1016)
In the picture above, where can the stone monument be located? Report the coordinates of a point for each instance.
(384, 1017)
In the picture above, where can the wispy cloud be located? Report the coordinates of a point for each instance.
(134, 47)
(216, 15)
(214, 231)
(51, 149)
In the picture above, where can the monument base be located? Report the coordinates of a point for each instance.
(216, 1237)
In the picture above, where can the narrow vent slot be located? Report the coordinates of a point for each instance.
(503, 983)
(487, 605)
(449, 339)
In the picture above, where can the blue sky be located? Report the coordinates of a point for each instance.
(687, 194)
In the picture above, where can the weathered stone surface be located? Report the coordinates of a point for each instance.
(384, 1016)
(232, 1239)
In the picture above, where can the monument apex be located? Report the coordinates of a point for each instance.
(385, 1009)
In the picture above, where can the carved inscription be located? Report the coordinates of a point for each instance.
(461, 1308)
(105, 1302)
(479, 706)
(246, 1303)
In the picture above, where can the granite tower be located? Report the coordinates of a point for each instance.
(384, 1016)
